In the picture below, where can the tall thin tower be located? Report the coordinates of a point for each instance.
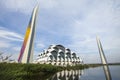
(26, 52)
(103, 60)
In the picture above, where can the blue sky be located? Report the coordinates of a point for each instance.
(72, 23)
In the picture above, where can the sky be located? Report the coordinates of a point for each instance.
(71, 23)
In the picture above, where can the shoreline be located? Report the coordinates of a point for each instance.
(13, 71)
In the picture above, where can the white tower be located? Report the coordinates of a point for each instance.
(103, 60)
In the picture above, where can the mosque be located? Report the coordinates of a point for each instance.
(58, 55)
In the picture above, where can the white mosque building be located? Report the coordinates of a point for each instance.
(58, 55)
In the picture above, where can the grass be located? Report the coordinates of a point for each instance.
(25, 71)
(15, 71)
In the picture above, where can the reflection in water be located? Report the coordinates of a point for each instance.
(107, 72)
(67, 75)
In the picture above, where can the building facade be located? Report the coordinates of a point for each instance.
(58, 55)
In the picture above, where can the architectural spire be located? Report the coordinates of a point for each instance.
(26, 52)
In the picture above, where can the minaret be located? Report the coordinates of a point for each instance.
(26, 52)
(103, 60)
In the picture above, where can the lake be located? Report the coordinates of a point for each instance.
(96, 73)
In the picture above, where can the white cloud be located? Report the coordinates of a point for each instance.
(40, 45)
(48, 4)
(4, 44)
(25, 6)
(16, 49)
(7, 38)
(91, 58)
(112, 57)
(99, 19)
(6, 34)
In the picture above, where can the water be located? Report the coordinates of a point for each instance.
(87, 74)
